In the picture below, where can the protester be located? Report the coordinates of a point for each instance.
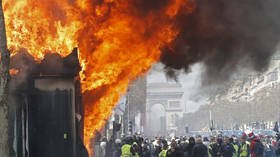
(234, 141)
(229, 150)
(164, 150)
(157, 147)
(244, 149)
(256, 147)
(219, 146)
(190, 146)
(199, 149)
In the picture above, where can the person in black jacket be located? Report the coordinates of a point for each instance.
(190, 146)
(218, 149)
(199, 149)
(146, 152)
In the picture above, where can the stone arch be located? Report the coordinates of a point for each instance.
(151, 103)
(169, 96)
(157, 119)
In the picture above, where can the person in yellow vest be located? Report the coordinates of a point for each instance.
(126, 148)
(211, 145)
(164, 150)
(236, 146)
(244, 149)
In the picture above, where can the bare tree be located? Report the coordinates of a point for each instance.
(4, 78)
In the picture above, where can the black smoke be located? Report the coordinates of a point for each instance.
(223, 34)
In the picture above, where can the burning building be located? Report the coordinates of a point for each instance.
(47, 111)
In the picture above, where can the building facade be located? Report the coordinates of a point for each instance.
(245, 88)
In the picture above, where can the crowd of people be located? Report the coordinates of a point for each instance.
(247, 145)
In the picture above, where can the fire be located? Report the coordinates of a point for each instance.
(40, 26)
(14, 71)
(116, 43)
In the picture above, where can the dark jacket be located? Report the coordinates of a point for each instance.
(157, 150)
(189, 149)
(174, 153)
(117, 151)
(218, 150)
(229, 150)
(200, 150)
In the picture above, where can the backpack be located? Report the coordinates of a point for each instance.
(259, 148)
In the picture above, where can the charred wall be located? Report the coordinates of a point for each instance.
(46, 112)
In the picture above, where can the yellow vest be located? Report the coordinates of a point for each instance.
(162, 153)
(126, 151)
(235, 146)
(244, 150)
(210, 149)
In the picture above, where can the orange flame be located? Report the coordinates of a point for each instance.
(116, 44)
(14, 71)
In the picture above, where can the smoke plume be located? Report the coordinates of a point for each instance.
(223, 34)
